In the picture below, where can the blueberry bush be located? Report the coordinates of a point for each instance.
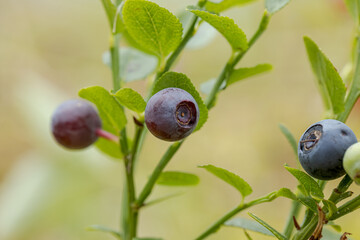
(173, 109)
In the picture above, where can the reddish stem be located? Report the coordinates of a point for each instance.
(106, 135)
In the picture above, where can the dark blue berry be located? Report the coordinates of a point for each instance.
(171, 114)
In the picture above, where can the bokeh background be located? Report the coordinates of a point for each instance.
(51, 49)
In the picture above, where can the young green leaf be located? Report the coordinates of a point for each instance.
(179, 80)
(308, 182)
(331, 208)
(242, 73)
(289, 137)
(248, 225)
(267, 226)
(152, 27)
(287, 193)
(134, 64)
(308, 202)
(111, 113)
(108, 147)
(131, 99)
(275, 5)
(231, 178)
(226, 26)
(334, 226)
(331, 86)
(110, 10)
(162, 199)
(218, 7)
(99, 228)
(172, 178)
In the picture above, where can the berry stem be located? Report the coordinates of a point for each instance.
(106, 135)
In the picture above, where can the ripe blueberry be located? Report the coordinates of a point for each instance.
(322, 147)
(351, 162)
(171, 114)
(74, 124)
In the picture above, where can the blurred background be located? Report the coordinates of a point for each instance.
(51, 49)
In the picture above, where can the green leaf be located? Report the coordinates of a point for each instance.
(352, 8)
(334, 226)
(285, 192)
(248, 225)
(109, 147)
(331, 86)
(152, 27)
(161, 199)
(225, 4)
(207, 86)
(179, 80)
(289, 137)
(131, 99)
(309, 203)
(267, 226)
(275, 5)
(308, 182)
(134, 64)
(234, 180)
(331, 208)
(242, 73)
(111, 113)
(110, 10)
(172, 178)
(99, 228)
(226, 26)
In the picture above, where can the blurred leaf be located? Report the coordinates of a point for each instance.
(131, 99)
(224, 5)
(172, 178)
(226, 26)
(308, 202)
(110, 10)
(111, 113)
(234, 180)
(152, 27)
(267, 226)
(179, 80)
(308, 182)
(275, 5)
(207, 86)
(99, 228)
(147, 239)
(109, 147)
(285, 192)
(242, 73)
(334, 226)
(352, 8)
(247, 235)
(331, 207)
(248, 225)
(289, 137)
(159, 200)
(331, 86)
(203, 36)
(134, 64)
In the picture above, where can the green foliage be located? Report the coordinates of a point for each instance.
(218, 7)
(248, 225)
(331, 208)
(352, 6)
(110, 10)
(267, 226)
(242, 73)
(152, 27)
(110, 111)
(179, 80)
(331, 86)
(308, 202)
(134, 64)
(289, 137)
(231, 178)
(99, 228)
(110, 148)
(175, 178)
(131, 99)
(311, 186)
(275, 5)
(287, 193)
(226, 26)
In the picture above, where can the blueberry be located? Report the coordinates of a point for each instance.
(171, 114)
(351, 162)
(322, 147)
(74, 124)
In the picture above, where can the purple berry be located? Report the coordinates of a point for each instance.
(74, 124)
(171, 114)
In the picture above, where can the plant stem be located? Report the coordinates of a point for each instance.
(106, 135)
(346, 208)
(294, 212)
(306, 232)
(115, 61)
(156, 173)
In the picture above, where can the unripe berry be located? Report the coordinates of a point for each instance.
(351, 162)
